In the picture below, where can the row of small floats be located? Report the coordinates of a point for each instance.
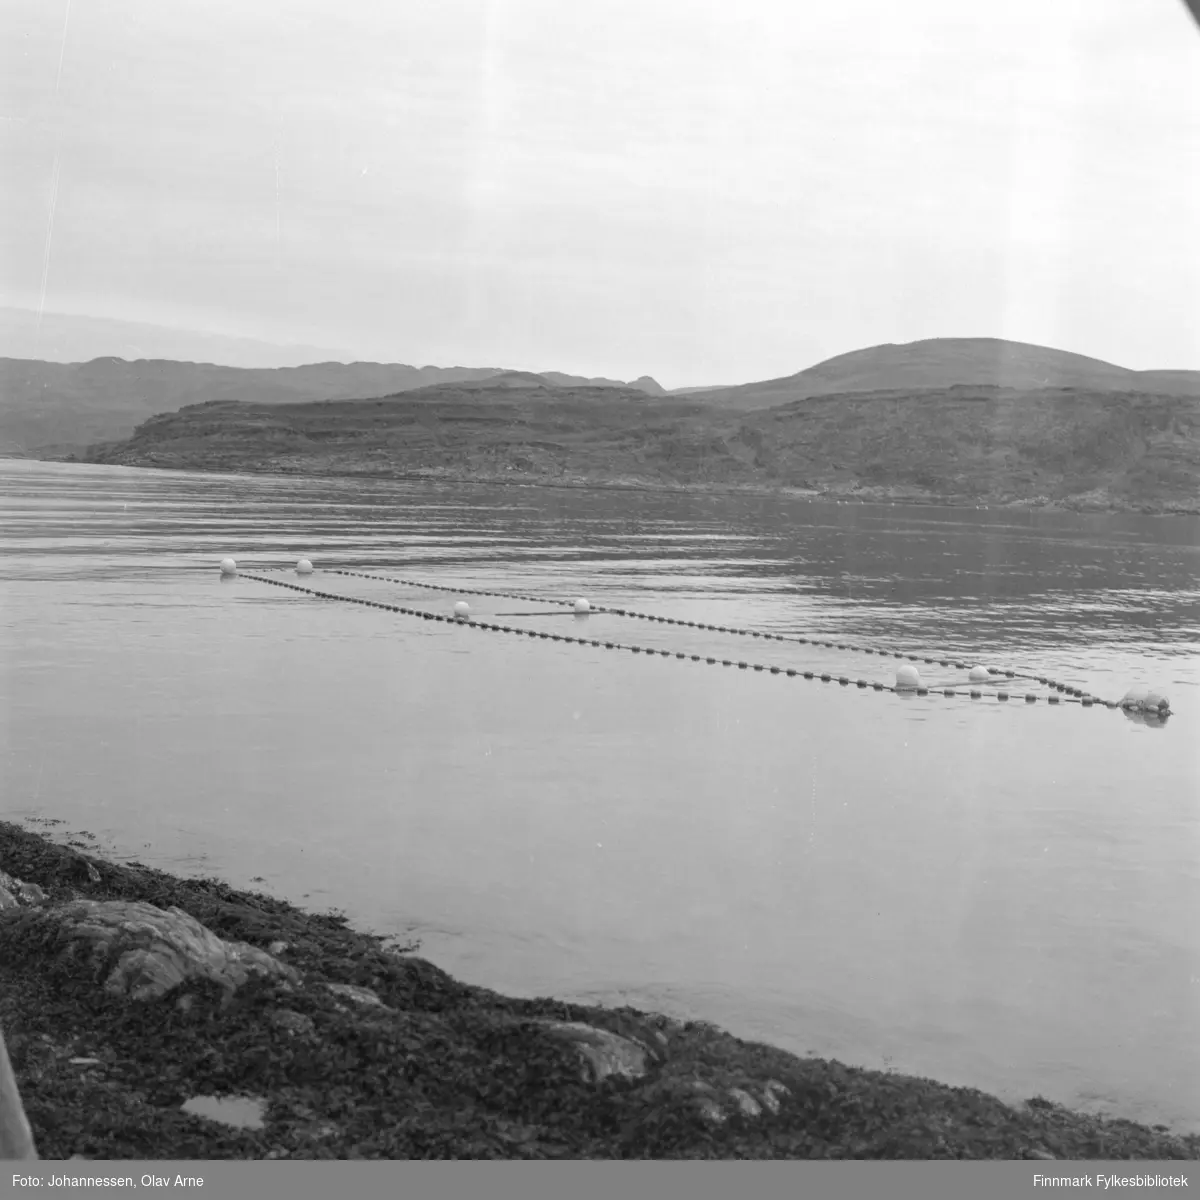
(908, 678)
(1140, 700)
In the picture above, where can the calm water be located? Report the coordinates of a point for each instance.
(998, 895)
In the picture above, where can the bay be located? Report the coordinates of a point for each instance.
(1000, 895)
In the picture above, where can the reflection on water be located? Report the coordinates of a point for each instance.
(995, 895)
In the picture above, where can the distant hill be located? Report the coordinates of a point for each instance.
(69, 338)
(1084, 449)
(59, 408)
(64, 407)
(643, 383)
(947, 362)
(964, 419)
(491, 428)
(504, 379)
(556, 379)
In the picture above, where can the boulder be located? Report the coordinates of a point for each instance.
(293, 1022)
(16, 893)
(747, 1104)
(359, 995)
(601, 1053)
(722, 1094)
(717, 1101)
(773, 1093)
(138, 950)
(239, 1112)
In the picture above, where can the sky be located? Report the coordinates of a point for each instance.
(702, 192)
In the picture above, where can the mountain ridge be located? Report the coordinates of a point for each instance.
(58, 408)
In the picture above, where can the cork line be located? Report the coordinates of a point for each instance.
(1084, 697)
(710, 660)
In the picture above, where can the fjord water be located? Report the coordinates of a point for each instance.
(999, 895)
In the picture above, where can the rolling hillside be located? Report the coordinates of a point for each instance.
(1083, 449)
(56, 408)
(949, 362)
(970, 420)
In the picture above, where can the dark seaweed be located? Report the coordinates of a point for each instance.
(453, 1072)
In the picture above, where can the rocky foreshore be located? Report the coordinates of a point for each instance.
(133, 1002)
(1095, 501)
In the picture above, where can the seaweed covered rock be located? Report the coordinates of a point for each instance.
(138, 950)
(602, 1053)
(385, 1056)
(16, 893)
(364, 997)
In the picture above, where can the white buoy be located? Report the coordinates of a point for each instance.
(462, 610)
(228, 566)
(582, 606)
(304, 567)
(1155, 702)
(908, 677)
(980, 675)
(1134, 698)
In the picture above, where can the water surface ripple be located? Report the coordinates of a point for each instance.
(1002, 896)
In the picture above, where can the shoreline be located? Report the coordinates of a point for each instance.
(358, 1049)
(848, 494)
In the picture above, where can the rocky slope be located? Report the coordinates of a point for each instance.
(1064, 446)
(134, 1003)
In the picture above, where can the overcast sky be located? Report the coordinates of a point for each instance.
(703, 192)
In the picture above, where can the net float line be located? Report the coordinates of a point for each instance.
(462, 618)
(1065, 689)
